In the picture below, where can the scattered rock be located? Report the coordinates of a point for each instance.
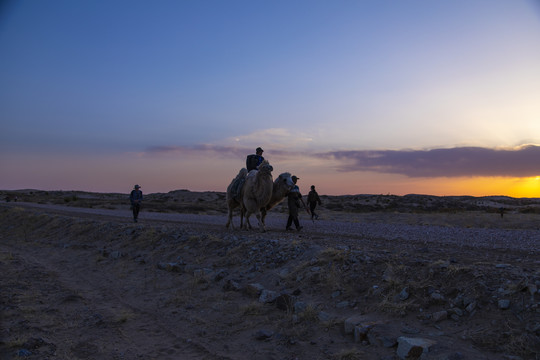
(264, 334)
(470, 308)
(361, 332)
(324, 316)
(404, 294)
(172, 267)
(350, 323)
(268, 296)
(439, 316)
(232, 285)
(504, 304)
(254, 290)
(413, 348)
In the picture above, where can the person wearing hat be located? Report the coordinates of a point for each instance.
(136, 198)
(254, 160)
(293, 202)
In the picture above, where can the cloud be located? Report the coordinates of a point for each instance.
(523, 161)
(209, 149)
(273, 138)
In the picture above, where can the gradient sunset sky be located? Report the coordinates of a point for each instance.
(355, 97)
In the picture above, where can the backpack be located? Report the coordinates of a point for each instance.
(252, 161)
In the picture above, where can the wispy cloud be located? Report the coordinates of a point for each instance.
(208, 149)
(523, 161)
(273, 138)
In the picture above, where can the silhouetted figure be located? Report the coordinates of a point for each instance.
(136, 198)
(254, 160)
(501, 211)
(294, 202)
(312, 201)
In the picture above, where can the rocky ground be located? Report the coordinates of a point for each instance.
(378, 277)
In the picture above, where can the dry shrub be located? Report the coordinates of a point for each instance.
(349, 354)
(505, 339)
(253, 308)
(388, 305)
(310, 314)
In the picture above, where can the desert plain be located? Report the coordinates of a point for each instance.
(375, 277)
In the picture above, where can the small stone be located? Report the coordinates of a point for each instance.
(413, 347)
(360, 332)
(440, 316)
(23, 353)
(471, 307)
(456, 311)
(350, 323)
(404, 294)
(409, 330)
(254, 289)
(324, 316)
(232, 285)
(263, 334)
(504, 304)
(268, 296)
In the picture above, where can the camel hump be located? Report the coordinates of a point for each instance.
(242, 173)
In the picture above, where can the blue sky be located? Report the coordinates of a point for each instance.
(174, 94)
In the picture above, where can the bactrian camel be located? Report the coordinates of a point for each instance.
(281, 187)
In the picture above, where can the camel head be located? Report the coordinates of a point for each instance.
(284, 180)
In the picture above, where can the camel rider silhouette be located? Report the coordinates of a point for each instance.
(254, 160)
(252, 163)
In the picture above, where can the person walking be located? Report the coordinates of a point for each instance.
(254, 160)
(294, 199)
(312, 200)
(136, 198)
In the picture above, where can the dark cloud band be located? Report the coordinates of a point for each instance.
(454, 162)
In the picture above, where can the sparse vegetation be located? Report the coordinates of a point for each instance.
(111, 265)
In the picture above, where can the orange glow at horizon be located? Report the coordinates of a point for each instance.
(482, 186)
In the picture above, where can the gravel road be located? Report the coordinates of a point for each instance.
(355, 226)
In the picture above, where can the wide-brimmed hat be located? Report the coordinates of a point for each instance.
(136, 187)
(294, 177)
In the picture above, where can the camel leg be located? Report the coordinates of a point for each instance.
(263, 216)
(261, 224)
(242, 211)
(229, 220)
(247, 224)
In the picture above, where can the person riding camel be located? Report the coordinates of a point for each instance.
(254, 160)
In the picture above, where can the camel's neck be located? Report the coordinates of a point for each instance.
(278, 194)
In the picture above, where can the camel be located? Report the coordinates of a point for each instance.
(257, 192)
(282, 185)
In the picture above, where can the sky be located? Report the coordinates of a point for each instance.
(354, 97)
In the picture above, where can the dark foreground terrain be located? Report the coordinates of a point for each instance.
(378, 277)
